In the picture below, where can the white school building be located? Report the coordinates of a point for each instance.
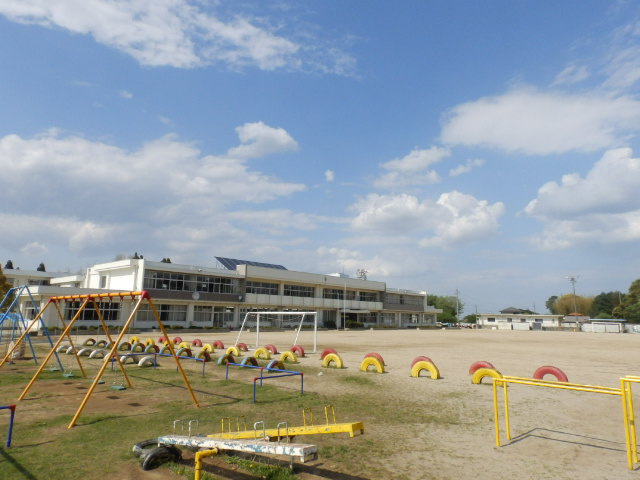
(190, 296)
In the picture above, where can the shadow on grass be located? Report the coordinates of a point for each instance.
(16, 465)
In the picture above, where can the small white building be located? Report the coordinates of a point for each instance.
(518, 319)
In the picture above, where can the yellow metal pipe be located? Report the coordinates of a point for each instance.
(199, 456)
(53, 349)
(562, 385)
(495, 410)
(625, 414)
(171, 349)
(507, 420)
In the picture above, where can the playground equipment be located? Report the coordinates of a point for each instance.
(12, 409)
(274, 366)
(260, 440)
(12, 313)
(288, 357)
(371, 362)
(141, 296)
(479, 364)
(549, 370)
(625, 392)
(480, 373)
(332, 358)
(307, 428)
(421, 365)
(260, 316)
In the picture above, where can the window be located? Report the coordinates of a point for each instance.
(262, 288)
(491, 319)
(368, 297)
(338, 294)
(110, 311)
(103, 281)
(298, 291)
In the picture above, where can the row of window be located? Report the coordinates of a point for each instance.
(510, 320)
(189, 283)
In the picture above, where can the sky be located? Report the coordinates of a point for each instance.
(487, 150)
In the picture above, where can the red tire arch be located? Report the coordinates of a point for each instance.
(421, 358)
(298, 350)
(479, 364)
(326, 352)
(550, 370)
(375, 355)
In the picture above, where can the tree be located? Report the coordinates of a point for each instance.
(41, 268)
(449, 306)
(604, 304)
(550, 304)
(8, 265)
(629, 309)
(165, 260)
(567, 304)
(472, 318)
(5, 286)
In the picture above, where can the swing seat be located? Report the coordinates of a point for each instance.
(68, 375)
(118, 387)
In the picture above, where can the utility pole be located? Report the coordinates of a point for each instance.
(573, 279)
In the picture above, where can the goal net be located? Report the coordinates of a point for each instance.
(295, 320)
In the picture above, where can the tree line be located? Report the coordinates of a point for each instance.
(613, 304)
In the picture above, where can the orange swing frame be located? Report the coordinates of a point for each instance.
(141, 297)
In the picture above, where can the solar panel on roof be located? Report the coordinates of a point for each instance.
(232, 263)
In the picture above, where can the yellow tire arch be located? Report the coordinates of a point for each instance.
(288, 356)
(424, 365)
(233, 350)
(183, 345)
(262, 352)
(479, 374)
(371, 362)
(149, 341)
(208, 347)
(332, 358)
(133, 340)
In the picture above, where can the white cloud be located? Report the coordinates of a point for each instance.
(611, 186)
(329, 176)
(455, 218)
(540, 123)
(412, 169)
(572, 74)
(467, 167)
(178, 33)
(259, 140)
(34, 249)
(344, 260)
(602, 207)
(125, 94)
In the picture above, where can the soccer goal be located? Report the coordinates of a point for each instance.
(280, 319)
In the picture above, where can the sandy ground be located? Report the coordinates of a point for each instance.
(557, 434)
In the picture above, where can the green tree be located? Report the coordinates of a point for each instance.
(5, 286)
(472, 318)
(449, 305)
(629, 309)
(604, 304)
(550, 304)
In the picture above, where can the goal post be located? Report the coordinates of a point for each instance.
(264, 315)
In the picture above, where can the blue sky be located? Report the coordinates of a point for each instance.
(484, 147)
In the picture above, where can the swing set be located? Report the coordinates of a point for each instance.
(92, 299)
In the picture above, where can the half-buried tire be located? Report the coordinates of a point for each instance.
(160, 455)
